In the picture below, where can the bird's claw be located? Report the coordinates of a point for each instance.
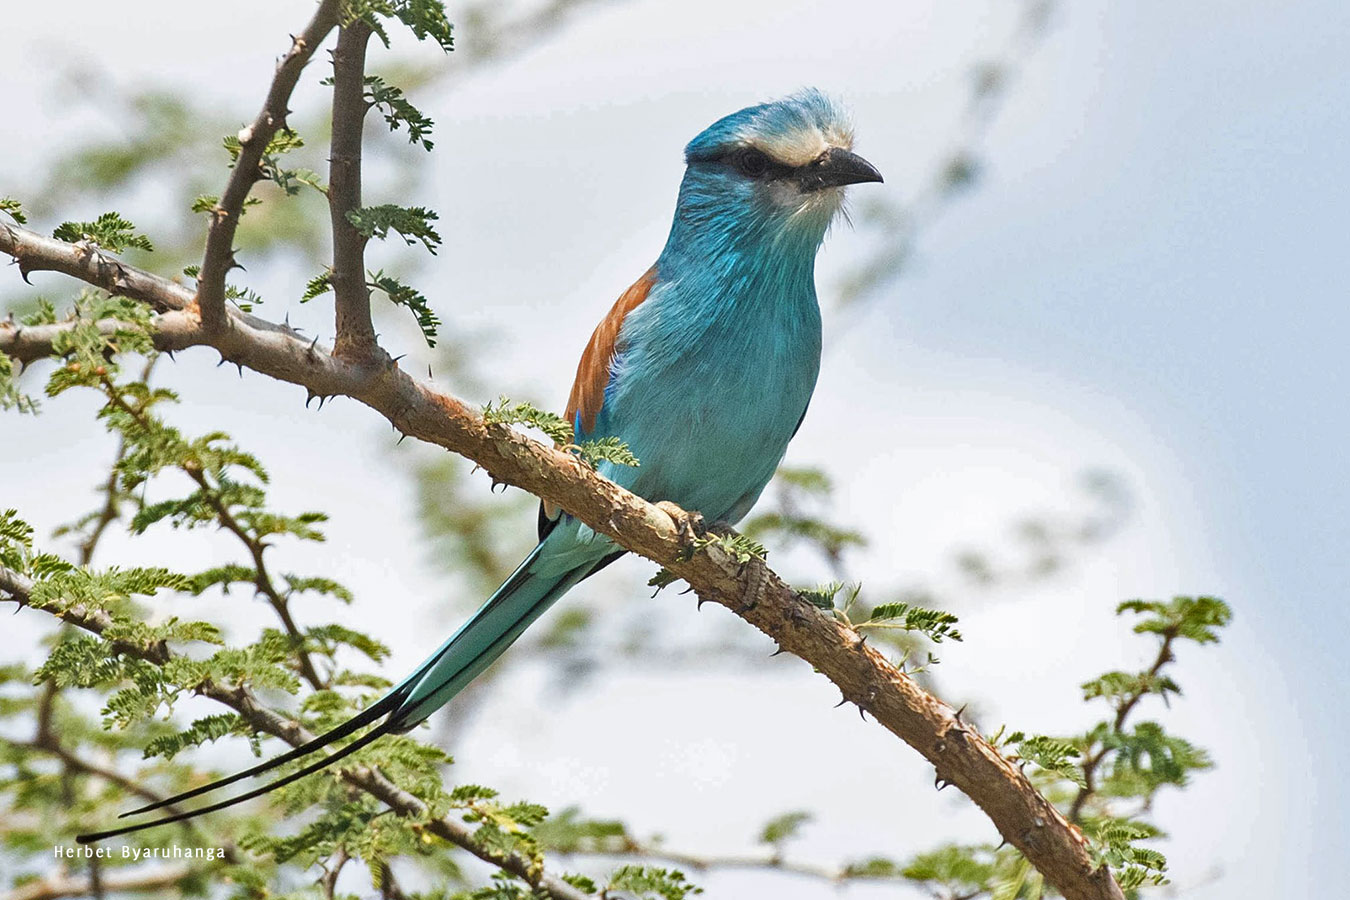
(720, 528)
(688, 525)
(755, 576)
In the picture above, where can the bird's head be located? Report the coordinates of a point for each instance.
(773, 170)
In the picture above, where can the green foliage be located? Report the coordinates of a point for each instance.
(425, 18)
(14, 209)
(326, 639)
(1146, 758)
(569, 831)
(1113, 844)
(904, 625)
(270, 168)
(1191, 618)
(960, 870)
(829, 539)
(559, 431)
(822, 596)
(109, 231)
(741, 548)
(102, 327)
(140, 672)
(1106, 779)
(504, 412)
(1119, 688)
(501, 888)
(244, 298)
(808, 480)
(10, 395)
(317, 584)
(317, 286)
(781, 829)
(412, 223)
(16, 542)
(651, 882)
(607, 449)
(1051, 754)
(933, 624)
(398, 112)
(201, 731)
(210, 203)
(401, 294)
(43, 313)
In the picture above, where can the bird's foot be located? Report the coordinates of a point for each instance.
(720, 528)
(688, 525)
(753, 572)
(754, 577)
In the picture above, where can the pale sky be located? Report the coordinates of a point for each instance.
(1149, 279)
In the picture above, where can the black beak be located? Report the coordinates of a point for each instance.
(836, 167)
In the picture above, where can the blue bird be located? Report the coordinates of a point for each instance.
(704, 368)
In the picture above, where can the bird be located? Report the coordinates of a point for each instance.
(704, 368)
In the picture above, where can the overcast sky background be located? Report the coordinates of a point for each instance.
(1149, 279)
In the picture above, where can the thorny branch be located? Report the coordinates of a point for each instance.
(253, 141)
(355, 334)
(864, 675)
(959, 754)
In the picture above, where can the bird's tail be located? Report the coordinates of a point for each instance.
(511, 609)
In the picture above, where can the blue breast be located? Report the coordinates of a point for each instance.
(712, 377)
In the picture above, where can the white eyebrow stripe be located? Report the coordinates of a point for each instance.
(801, 147)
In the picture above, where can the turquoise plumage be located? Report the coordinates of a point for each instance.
(704, 368)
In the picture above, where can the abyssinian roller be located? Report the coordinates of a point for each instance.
(704, 368)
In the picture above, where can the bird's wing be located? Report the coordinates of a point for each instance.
(588, 391)
(593, 373)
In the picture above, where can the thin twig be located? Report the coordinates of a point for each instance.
(56, 887)
(262, 580)
(331, 870)
(701, 863)
(355, 334)
(253, 141)
(1094, 760)
(107, 512)
(112, 496)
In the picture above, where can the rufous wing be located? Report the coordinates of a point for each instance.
(588, 390)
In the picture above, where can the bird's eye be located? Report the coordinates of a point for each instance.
(752, 162)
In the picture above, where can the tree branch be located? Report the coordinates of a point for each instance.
(1095, 759)
(959, 754)
(108, 511)
(700, 863)
(262, 581)
(35, 252)
(55, 887)
(355, 334)
(253, 141)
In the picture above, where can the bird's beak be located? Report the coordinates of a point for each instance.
(836, 167)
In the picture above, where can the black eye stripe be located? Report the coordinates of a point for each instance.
(753, 163)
